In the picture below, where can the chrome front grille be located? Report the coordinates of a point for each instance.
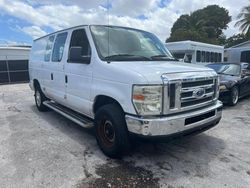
(188, 97)
(189, 93)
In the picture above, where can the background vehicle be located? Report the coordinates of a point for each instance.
(234, 81)
(239, 54)
(123, 81)
(196, 52)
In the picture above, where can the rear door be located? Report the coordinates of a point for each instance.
(79, 75)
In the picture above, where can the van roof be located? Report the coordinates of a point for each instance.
(85, 26)
(190, 43)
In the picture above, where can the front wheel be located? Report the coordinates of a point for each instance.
(111, 131)
(39, 99)
(234, 96)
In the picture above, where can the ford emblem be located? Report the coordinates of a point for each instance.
(199, 93)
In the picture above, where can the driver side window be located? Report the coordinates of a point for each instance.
(79, 39)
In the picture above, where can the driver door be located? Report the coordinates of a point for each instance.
(78, 75)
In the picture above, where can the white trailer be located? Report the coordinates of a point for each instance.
(196, 52)
(237, 55)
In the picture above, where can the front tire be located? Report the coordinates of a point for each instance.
(111, 131)
(39, 99)
(234, 96)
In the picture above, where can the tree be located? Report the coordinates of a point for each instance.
(204, 25)
(244, 22)
(236, 39)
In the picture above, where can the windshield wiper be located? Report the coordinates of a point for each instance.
(119, 56)
(164, 56)
(225, 74)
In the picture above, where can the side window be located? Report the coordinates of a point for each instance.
(59, 47)
(245, 56)
(216, 57)
(212, 57)
(220, 57)
(49, 47)
(203, 58)
(207, 56)
(198, 56)
(80, 39)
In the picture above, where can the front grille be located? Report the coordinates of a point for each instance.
(196, 83)
(195, 102)
(187, 94)
(190, 89)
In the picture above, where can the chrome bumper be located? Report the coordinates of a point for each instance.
(175, 123)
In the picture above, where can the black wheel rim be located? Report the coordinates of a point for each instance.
(106, 132)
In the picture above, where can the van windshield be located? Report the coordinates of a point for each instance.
(124, 44)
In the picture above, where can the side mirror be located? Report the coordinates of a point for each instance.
(75, 56)
(245, 73)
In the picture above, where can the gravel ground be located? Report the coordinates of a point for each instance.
(47, 150)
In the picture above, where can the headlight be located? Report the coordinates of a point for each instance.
(217, 85)
(223, 87)
(147, 99)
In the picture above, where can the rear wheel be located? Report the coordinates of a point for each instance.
(111, 131)
(234, 96)
(39, 99)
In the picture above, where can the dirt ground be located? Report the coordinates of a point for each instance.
(47, 150)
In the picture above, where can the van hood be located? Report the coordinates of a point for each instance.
(152, 70)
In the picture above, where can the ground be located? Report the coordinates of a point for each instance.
(46, 150)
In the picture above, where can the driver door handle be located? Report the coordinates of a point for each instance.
(66, 79)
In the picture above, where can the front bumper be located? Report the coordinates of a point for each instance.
(175, 124)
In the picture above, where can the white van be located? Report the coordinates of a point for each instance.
(124, 82)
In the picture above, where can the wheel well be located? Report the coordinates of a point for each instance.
(36, 84)
(102, 100)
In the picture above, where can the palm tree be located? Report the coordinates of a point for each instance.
(244, 22)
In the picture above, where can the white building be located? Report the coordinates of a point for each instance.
(238, 53)
(196, 52)
(14, 64)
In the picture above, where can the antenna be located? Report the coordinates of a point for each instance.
(108, 25)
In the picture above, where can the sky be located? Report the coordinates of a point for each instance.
(21, 21)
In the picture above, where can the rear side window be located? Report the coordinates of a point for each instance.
(59, 47)
(79, 39)
(198, 56)
(208, 57)
(49, 47)
(203, 56)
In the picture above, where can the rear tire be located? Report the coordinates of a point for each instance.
(39, 99)
(234, 96)
(111, 131)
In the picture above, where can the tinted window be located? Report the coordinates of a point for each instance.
(220, 57)
(59, 47)
(203, 56)
(245, 56)
(49, 47)
(198, 56)
(79, 39)
(207, 56)
(212, 57)
(216, 57)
